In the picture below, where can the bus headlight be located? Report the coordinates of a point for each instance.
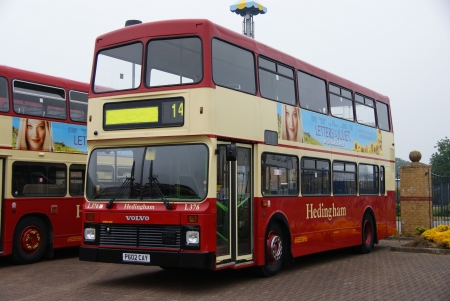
(89, 234)
(192, 238)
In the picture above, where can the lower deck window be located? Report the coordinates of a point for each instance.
(368, 179)
(315, 177)
(76, 182)
(279, 174)
(33, 179)
(344, 178)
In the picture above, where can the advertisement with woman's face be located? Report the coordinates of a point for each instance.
(35, 135)
(290, 123)
(43, 135)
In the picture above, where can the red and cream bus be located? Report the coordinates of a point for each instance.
(42, 163)
(210, 150)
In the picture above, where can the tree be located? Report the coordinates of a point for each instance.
(399, 162)
(440, 161)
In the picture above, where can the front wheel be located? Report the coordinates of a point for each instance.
(30, 240)
(368, 234)
(273, 251)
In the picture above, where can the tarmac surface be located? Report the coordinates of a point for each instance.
(336, 275)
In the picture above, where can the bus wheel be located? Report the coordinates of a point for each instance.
(368, 234)
(30, 240)
(273, 250)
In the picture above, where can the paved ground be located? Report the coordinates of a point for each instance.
(336, 275)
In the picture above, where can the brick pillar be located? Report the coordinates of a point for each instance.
(415, 195)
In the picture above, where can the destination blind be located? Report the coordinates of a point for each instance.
(150, 113)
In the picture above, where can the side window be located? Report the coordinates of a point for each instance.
(315, 177)
(365, 110)
(4, 99)
(276, 81)
(344, 178)
(233, 67)
(368, 179)
(312, 93)
(78, 105)
(382, 181)
(383, 116)
(76, 179)
(32, 179)
(279, 174)
(39, 100)
(341, 103)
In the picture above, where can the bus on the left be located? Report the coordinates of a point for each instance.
(42, 163)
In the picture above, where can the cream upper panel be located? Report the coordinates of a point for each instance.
(6, 126)
(232, 114)
(199, 113)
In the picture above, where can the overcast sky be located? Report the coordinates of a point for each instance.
(399, 48)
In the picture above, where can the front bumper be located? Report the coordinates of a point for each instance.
(158, 258)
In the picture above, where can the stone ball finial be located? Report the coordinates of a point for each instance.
(415, 156)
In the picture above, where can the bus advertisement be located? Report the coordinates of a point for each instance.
(42, 163)
(210, 150)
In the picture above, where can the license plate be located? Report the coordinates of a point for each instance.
(133, 257)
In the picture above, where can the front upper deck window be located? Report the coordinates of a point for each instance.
(174, 62)
(118, 68)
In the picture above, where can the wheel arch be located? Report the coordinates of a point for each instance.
(280, 219)
(48, 226)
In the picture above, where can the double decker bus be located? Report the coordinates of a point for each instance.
(42, 163)
(210, 150)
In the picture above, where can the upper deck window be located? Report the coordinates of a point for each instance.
(39, 100)
(78, 105)
(365, 110)
(233, 67)
(174, 62)
(312, 92)
(4, 100)
(276, 81)
(341, 102)
(383, 116)
(118, 68)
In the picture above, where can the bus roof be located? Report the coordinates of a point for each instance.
(207, 30)
(15, 73)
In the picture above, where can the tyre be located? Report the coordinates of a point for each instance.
(368, 234)
(273, 251)
(30, 240)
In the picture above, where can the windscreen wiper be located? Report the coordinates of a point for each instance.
(155, 183)
(127, 181)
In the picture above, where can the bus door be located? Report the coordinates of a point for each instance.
(234, 204)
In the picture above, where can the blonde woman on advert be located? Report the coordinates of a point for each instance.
(35, 135)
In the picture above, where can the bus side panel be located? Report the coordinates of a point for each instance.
(391, 223)
(347, 212)
(66, 226)
(379, 208)
(66, 223)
